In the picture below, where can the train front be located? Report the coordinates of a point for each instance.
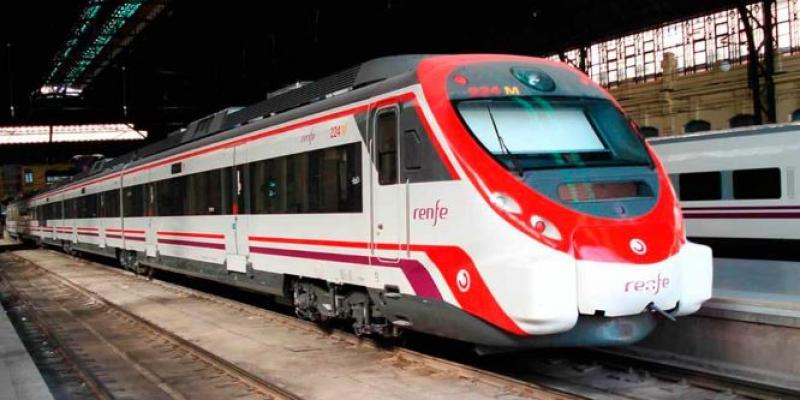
(582, 241)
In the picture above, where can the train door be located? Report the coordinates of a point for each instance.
(388, 209)
(239, 249)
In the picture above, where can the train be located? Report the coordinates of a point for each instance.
(738, 188)
(504, 201)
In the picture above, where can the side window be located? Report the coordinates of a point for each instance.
(762, 183)
(386, 146)
(321, 181)
(112, 202)
(171, 196)
(700, 186)
(109, 204)
(134, 201)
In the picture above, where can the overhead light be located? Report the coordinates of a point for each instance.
(52, 90)
(68, 133)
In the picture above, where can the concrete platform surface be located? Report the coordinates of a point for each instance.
(770, 280)
(19, 377)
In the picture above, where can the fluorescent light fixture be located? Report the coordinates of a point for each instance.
(69, 133)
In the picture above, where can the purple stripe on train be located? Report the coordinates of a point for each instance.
(419, 277)
(218, 246)
(746, 215)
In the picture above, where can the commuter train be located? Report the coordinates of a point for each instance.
(504, 201)
(738, 188)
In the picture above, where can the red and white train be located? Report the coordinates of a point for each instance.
(500, 200)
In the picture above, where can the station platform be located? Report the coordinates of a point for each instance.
(19, 377)
(749, 330)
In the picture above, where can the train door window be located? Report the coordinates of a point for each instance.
(700, 186)
(412, 146)
(762, 183)
(297, 183)
(196, 188)
(386, 146)
(150, 199)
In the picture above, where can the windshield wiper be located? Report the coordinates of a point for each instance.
(514, 161)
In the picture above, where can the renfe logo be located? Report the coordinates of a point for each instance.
(651, 286)
(435, 213)
(308, 138)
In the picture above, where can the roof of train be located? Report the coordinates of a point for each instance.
(728, 133)
(267, 112)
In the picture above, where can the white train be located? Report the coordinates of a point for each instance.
(738, 188)
(504, 201)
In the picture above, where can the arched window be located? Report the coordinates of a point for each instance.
(649, 131)
(741, 120)
(697, 125)
(796, 115)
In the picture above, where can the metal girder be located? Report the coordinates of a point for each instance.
(103, 29)
(760, 58)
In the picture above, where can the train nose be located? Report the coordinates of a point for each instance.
(618, 274)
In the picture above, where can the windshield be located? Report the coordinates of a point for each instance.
(541, 132)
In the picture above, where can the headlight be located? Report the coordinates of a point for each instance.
(545, 227)
(505, 203)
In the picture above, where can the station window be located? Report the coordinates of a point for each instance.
(795, 115)
(649, 131)
(740, 120)
(386, 146)
(28, 177)
(700, 186)
(697, 125)
(762, 183)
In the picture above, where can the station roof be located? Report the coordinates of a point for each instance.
(193, 58)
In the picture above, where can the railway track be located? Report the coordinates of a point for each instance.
(115, 354)
(559, 374)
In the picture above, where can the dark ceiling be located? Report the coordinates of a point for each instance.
(198, 57)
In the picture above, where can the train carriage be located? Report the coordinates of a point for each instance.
(738, 188)
(501, 200)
